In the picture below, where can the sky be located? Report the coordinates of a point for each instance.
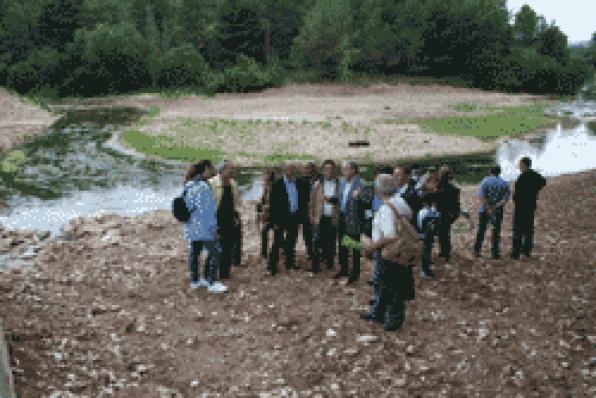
(576, 18)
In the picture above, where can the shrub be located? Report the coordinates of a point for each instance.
(182, 67)
(245, 75)
(38, 73)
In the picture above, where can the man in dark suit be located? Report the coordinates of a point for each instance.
(305, 184)
(284, 216)
(354, 198)
(525, 196)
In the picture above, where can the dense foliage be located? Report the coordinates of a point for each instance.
(88, 47)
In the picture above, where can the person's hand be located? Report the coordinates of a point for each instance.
(367, 244)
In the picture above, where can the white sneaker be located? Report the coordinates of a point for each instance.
(203, 282)
(217, 287)
(195, 285)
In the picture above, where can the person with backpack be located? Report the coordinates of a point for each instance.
(201, 227)
(395, 243)
(449, 208)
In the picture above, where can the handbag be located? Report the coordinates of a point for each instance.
(406, 248)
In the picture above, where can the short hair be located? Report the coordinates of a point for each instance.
(328, 161)
(352, 164)
(527, 161)
(383, 169)
(495, 170)
(406, 169)
(385, 184)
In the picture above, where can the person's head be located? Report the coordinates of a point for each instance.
(290, 170)
(383, 169)
(207, 168)
(431, 184)
(444, 169)
(402, 175)
(329, 169)
(495, 170)
(203, 168)
(385, 186)
(524, 164)
(349, 169)
(309, 169)
(226, 170)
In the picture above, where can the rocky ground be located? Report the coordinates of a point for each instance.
(19, 120)
(109, 312)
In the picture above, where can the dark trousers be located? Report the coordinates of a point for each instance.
(344, 251)
(211, 264)
(523, 231)
(265, 238)
(445, 238)
(391, 304)
(226, 242)
(307, 235)
(237, 243)
(284, 236)
(427, 251)
(325, 235)
(495, 220)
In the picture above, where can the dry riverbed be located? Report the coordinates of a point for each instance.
(109, 312)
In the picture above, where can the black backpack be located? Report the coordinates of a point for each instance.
(179, 209)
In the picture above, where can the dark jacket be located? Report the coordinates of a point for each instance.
(279, 203)
(448, 202)
(527, 187)
(412, 199)
(304, 185)
(359, 199)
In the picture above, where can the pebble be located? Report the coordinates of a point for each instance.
(331, 333)
(367, 339)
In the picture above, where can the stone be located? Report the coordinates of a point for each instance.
(367, 339)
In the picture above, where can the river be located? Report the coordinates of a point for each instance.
(77, 169)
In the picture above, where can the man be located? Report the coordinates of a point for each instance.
(494, 193)
(449, 209)
(305, 184)
(227, 197)
(527, 187)
(406, 188)
(283, 213)
(353, 200)
(324, 213)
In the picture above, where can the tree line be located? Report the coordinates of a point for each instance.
(92, 47)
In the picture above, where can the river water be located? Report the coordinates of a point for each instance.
(77, 169)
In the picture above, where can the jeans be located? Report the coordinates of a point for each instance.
(523, 232)
(496, 220)
(211, 264)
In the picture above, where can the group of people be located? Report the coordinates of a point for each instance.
(340, 214)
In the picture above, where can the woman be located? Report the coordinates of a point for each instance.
(201, 228)
(263, 211)
(396, 284)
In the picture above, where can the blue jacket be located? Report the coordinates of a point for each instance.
(202, 225)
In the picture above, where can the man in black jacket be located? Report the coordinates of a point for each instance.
(284, 216)
(406, 188)
(527, 187)
(304, 185)
(449, 209)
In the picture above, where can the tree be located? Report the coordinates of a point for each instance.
(527, 26)
(553, 42)
(58, 21)
(324, 42)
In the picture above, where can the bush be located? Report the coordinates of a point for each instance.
(246, 75)
(182, 67)
(107, 59)
(38, 73)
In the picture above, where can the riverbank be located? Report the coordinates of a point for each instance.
(20, 120)
(314, 122)
(109, 311)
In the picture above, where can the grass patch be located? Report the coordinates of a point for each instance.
(505, 121)
(166, 147)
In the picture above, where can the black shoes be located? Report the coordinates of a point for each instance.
(340, 275)
(353, 279)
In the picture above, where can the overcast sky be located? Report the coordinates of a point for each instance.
(576, 18)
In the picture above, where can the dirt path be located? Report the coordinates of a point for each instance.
(19, 120)
(110, 312)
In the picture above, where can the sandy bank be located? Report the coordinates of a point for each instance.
(110, 310)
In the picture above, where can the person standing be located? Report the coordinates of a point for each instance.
(283, 201)
(201, 228)
(353, 200)
(263, 218)
(525, 196)
(406, 188)
(324, 214)
(227, 196)
(494, 194)
(427, 223)
(395, 280)
(304, 185)
(449, 208)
